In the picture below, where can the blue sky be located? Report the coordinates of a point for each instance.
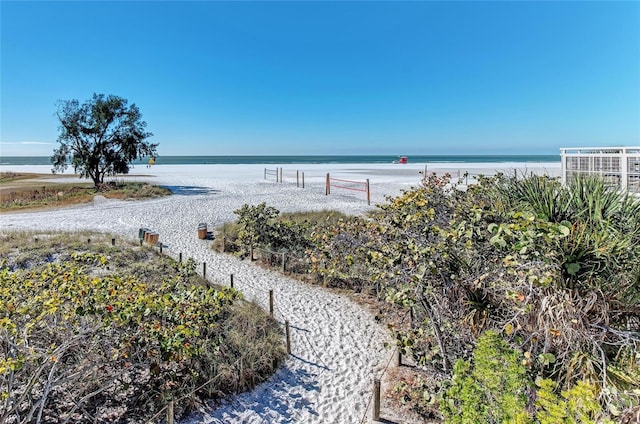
(274, 78)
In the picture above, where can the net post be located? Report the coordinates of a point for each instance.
(368, 193)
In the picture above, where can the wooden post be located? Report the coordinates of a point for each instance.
(368, 193)
(160, 246)
(281, 175)
(170, 412)
(271, 302)
(113, 241)
(251, 252)
(327, 189)
(88, 241)
(284, 268)
(180, 258)
(399, 358)
(141, 242)
(376, 400)
(36, 240)
(224, 244)
(231, 282)
(297, 178)
(288, 333)
(303, 180)
(265, 173)
(204, 270)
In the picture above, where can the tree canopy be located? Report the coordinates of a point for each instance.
(101, 137)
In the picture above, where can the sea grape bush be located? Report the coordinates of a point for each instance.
(80, 343)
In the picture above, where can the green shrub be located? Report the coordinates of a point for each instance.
(493, 389)
(578, 405)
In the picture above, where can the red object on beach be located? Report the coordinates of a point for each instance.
(403, 159)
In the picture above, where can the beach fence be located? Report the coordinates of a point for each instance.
(279, 175)
(261, 296)
(286, 263)
(289, 263)
(272, 174)
(361, 186)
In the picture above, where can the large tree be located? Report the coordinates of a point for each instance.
(100, 137)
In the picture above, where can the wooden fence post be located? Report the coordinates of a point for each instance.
(376, 399)
(231, 281)
(88, 241)
(327, 188)
(297, 178)
(280, 175)
(399, 358)
(113, 241)
(180, 257)
(368, 193)
(204, 270)
(160, 246)
(170, 412)
(284, 268)
(251, 252)
(288, 333)
(302, 179)
(265, 173)
(271, 302)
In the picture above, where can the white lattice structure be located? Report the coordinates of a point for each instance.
(619, 166)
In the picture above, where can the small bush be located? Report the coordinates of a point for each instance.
(493, 389)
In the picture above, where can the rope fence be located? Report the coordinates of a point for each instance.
(282, 263)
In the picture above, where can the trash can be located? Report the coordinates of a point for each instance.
(153, 238)
(202, 231)
(141, 233)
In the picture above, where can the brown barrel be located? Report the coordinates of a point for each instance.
(202, 231)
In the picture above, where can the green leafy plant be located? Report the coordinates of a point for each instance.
(491, 389)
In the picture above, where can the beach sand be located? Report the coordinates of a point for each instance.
(338, 348)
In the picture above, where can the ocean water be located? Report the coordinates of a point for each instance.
(198, 160)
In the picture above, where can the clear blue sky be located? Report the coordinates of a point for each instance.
(244, 78)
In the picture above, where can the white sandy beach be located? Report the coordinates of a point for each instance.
(338, 347)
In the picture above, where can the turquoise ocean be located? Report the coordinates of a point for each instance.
(199, 160)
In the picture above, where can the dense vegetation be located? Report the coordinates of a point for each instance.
(91, 332)
(525, 295)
